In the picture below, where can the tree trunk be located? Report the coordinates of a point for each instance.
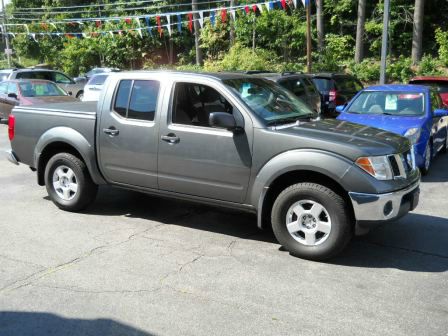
(232, 23)
(197, 28)
(417, 36)
(359, 49)
(320, 26)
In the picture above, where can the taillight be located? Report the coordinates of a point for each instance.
(11, 126)
(332, 95)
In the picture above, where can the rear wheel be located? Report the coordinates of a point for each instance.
(445, 148)
(311, 221)
(68, 182)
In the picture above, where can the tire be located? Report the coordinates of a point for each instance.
(427, 161)
(68, 182)
(445, 148)
(80, 95)
(335, 219)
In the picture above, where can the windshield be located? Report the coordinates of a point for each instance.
(97, 80)
(41, 90)
(269, 101)
(389, 103)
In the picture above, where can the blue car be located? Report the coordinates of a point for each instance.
(413, 111)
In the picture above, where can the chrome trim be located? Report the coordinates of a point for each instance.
(370, 207)
(11, 157)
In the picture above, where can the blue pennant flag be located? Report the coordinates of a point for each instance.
(271, 5)
(179, 23)
(212, 18)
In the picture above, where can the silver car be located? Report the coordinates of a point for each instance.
(94, 86)
(64, 81)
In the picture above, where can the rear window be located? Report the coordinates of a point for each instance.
(309, 85)
(349, 84)
(323, 84)
(441, 86)
(47, 75)
(97, 80)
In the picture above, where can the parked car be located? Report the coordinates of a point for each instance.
(414, 111)
(64, 81)
(29, 92)
(299, 84)
(95, 71)
(440, 83)
(335, 89)
(225, 139)
(4, 74)
(94, 86)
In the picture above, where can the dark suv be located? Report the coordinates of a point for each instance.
(335, 89)
(300, 84)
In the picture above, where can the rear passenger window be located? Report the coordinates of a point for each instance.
(137, 99)
(143, 100)
(3, 88)
(12, 88)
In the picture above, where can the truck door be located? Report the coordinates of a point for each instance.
(128, 136)
(197, 159)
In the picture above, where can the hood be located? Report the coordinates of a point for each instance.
(346, 138)
(395, 124)
(47, 99)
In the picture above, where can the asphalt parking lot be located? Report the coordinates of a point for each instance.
(138, 265)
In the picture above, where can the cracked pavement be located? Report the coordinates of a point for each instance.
(138, 265)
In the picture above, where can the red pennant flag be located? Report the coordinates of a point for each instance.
(70, 36)
(94, 34)
(283, 4)
(254, 8)
(159, 26)
(98, 23)
(190, 22)
(247, 9)
(128, 20)
(223, 15)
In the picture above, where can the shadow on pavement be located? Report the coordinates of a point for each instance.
(417, 243)
(40, 324)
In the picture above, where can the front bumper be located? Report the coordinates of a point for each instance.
(373, 209)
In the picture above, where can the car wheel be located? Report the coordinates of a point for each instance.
(68, 182)
(311, 221)
(80, 95)
(427, 158)
(445, 149)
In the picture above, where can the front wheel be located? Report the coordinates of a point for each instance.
(68, 182)
(311, 221)
(427, 157)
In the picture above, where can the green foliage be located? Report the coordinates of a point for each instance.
(442, 41)
(429, 66)
(368, 71)
(243, 58)
(400, 70)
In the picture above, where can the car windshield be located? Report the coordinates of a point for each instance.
(269, 101)
(388, 103)
(41, 90)
(97, 80)
(349, 84)
(441, 86)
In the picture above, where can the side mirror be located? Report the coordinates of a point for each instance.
(340, 108)
(3, 121)
(12, 95)
(70, 93)
(222, 120)
(440, 113)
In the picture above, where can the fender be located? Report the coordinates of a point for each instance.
(329, 164)
(74, 139)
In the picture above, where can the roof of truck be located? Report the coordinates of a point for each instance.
(214, 75)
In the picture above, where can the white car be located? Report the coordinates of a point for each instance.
(94, 86)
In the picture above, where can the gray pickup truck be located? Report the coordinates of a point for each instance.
(228, 140)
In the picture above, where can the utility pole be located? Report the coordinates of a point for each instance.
(5, 33)
(384, 41)
(232, 24)
(359, 49)
(320, 26)
(308, 36)
(197, 27)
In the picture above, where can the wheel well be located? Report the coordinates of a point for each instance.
(49, 151)
(79, 93)
(290, 178)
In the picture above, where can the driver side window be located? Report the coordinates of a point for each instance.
(193, 103)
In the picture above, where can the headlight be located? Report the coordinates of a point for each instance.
(413, 134)
(377, 166)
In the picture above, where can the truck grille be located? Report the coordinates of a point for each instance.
(402, 164)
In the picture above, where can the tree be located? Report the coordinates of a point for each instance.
(359, 49)
(417, 36)
(197, 27)
(320, 25)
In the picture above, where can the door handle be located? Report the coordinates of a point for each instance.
(170, 138)
(112, 131)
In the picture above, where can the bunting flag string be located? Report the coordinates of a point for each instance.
(100, 23)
